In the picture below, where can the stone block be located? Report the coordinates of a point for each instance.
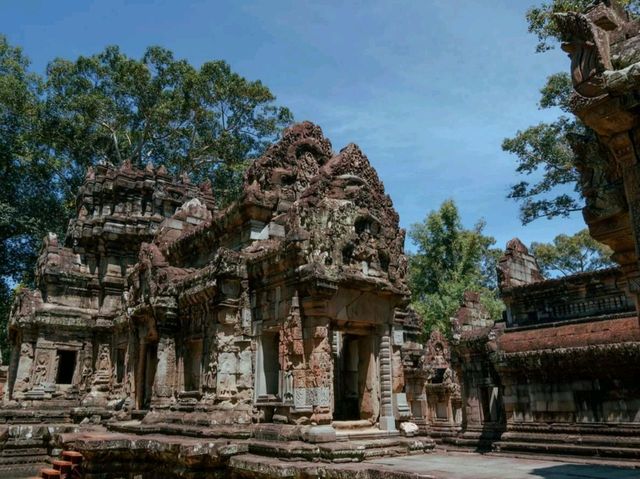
(320, 434)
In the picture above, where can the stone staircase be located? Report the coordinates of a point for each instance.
(595, 441)
(341, 451)
(25, 448)
(69, 466)
(613, 445)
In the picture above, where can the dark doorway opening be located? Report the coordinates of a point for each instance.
(151, 364)
(192, 365)
(347, 406)
(270, 352)
(355, 386)
(66, 366)
(491, 402)
(120, 353)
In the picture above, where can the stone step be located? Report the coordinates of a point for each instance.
(17, 452)
(72, 456)
(288, 450)
(569, 449)
(222, 431)
(365, 434)
(350, 451)
(48, 473)
(468, 443)
(63, 466)
(578, 439)
(22, 470)
(24, 461)
(350, 425)
(601, 429)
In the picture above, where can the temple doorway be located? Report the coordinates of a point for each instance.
(151, 362)
(145, 373)
(356, 389)
(192, 363)
(66, 366)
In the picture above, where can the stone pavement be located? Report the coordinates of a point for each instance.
(477, 466)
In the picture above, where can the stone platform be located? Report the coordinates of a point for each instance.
(110, 455)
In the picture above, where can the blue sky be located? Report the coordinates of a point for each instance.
(427, 88)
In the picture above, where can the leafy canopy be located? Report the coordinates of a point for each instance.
(544, 153)
(206, 122)
(567, 255)
(449, 261)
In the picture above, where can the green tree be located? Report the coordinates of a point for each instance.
(543, 151)
(30, 204)
(567, 255)
(449, 261)
(207, 122)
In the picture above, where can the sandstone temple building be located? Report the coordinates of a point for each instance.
(156, 300)
(166, 332)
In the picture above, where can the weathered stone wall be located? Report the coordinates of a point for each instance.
(560, 367)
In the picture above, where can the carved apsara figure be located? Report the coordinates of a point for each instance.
(104, 360)
(210, 375)
(86, 374)
(40, 371)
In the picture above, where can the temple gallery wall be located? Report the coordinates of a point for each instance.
(280, 326)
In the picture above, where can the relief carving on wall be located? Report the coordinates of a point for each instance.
(104, 370)
(86, 376)
(211, 374)
(40, 370)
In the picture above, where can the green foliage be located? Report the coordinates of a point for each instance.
(449, 261)
(571, 254)
(543, 153)
(29, 203)
(207, 122)
(542, 24)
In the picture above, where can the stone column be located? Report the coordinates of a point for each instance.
(140, 368)
(319, 381)
(163, 385)
(387, 419)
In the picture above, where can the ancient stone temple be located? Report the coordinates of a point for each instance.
(70, 334)
(288, 308)
(274, 337)
(560, 373)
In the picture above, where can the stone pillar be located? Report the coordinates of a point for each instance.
(140, 368)
(163, 385)
(317, 392)
(387, 419)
